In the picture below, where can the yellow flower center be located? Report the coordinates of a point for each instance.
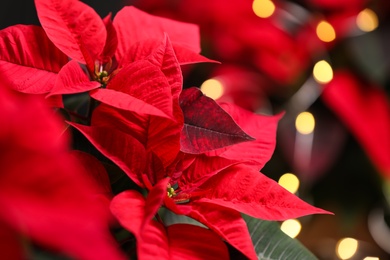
(102, 77)
(170, 191)
(103, 72)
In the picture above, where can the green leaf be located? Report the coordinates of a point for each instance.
(171, 218)
(271, 243)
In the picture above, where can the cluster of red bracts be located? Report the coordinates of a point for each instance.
(269, 57)
(193, 156)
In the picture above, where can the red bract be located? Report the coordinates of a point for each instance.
(181, 146)
(216, 188)
(262, 128)
(73, 27)
(366, 114)
(35, 60)
(200, 134)
(154, 241)
(194, 156)
(137, 26)
(45, 196)
(28, 59)
(156, 124)
(146, 86)
(215, 185)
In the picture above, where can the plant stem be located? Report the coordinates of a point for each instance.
(159, 219)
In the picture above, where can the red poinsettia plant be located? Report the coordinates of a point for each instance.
(175, 153)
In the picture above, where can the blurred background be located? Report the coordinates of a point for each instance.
(326, 65)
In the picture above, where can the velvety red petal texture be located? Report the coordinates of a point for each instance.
(28, 59)
(72, 79)
(157, 134)
(124, 150)
(126, 102)
(153, 241)
(201, 169)
(159, 65)
(263, 128)
(134, 25)
(365, 110)
(167, 131)
(111, 40)
(142, 49)
(226, 223)
(206, 133)
(126, 121)
(70, 24)
(248, 191)
(44, 193)
(195, 243)
(139, 51)
(186, 56)
(143, 81)
(155, 199)
(164, 57)
(149, 87)
(129, 208)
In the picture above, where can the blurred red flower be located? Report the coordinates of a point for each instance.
(365, 110)
(45, 196)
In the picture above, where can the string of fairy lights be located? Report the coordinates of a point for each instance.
(322, 73)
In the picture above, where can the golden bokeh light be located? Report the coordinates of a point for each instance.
(291, 227)
(305, 123)
(367, 20)
(346, 248)
(263, 8)
(325, 31)
(212, 88)
(290, 182)
(371, 258)
(322, 72)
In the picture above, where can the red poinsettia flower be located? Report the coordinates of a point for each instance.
(215, 189)
(73, 29)
(45, 197)
(155, 123)
(222, 183)
(154, 241)
(200, 148)
(159, 135)
(216, 180)
(192, 141)
(365, 110)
